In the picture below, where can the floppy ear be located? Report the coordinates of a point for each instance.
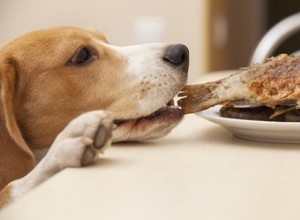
(16, 159)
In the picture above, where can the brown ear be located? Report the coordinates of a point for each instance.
(16, 159)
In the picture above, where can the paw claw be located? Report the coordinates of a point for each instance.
(103, 133)
(88, 155)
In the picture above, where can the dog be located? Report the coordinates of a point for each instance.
(67, 94)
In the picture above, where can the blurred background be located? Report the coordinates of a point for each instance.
(221, 34)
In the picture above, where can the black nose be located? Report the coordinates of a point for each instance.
(177, 55)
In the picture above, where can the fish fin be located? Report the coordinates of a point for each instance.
(282, 110)
(198, 97)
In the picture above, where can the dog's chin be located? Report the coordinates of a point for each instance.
(155, 125)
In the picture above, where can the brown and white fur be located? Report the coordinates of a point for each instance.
(66, 94)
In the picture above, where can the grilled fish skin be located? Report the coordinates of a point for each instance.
(275, 82)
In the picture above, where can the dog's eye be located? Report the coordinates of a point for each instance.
(83, 55)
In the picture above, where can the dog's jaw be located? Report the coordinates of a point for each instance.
(156, 82)
(156, 125)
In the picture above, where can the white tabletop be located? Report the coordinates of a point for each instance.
(199, 171)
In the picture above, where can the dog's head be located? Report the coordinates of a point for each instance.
(63, 72)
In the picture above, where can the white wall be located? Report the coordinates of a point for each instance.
(171, 21)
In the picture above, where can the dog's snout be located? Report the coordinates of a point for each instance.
(177, 55)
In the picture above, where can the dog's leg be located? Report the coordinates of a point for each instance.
(77, 145)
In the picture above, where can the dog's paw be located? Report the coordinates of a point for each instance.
(82, 140)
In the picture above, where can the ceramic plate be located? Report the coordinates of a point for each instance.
(279, 132)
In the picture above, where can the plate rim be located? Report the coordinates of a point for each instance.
(262, 131)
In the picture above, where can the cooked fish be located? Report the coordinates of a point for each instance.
(274, 83)
(261, 113)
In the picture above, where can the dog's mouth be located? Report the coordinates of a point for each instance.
(167, 113)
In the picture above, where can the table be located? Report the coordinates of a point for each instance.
(199, 171)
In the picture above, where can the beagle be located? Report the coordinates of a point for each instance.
(66, 94)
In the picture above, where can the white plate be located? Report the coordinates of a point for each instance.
(279, 132)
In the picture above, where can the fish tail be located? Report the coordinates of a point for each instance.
(198, 97)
